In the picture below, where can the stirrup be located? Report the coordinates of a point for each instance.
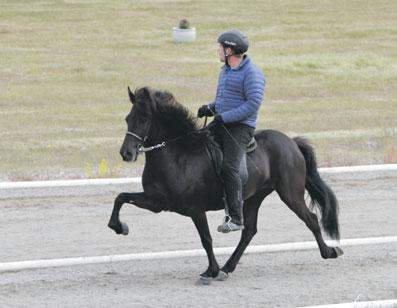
(228, 226)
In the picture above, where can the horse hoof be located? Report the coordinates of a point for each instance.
(124, 229)
(203, 281)
(222, 276)
(113, 227)
(338, 251)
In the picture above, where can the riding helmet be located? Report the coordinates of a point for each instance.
(234, 39)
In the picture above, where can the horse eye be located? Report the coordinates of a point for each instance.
(141, 120)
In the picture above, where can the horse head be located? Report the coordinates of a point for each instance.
(155, 117)
(138, 123)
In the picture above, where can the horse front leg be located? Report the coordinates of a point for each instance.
(201, 223)
(141, 200)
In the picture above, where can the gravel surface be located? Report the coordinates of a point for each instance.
(58, 223)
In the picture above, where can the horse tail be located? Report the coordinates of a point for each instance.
(320, 193)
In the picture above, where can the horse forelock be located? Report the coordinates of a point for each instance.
(144, 100)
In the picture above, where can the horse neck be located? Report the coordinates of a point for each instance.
(159, 134)
(174, 149)
(158, 161)
(166, 131)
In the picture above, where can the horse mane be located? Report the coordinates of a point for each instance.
(175, 118)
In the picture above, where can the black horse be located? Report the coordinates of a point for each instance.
(179, 176)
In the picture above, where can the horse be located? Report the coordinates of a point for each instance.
(178, 176)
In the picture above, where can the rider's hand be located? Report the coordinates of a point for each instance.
(204, 111)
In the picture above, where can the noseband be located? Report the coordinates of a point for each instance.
(136, 136)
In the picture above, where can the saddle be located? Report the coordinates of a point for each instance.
(215, 154)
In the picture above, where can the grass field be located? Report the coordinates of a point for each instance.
(331, 69)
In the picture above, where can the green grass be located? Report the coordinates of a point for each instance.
(65, 65)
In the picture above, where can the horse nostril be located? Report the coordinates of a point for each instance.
(127, 156)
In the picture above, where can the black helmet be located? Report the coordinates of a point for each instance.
(235, 40)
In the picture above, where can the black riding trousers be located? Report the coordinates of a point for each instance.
(233, 139)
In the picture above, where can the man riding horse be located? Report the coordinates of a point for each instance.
(179, 177)
(239, 95)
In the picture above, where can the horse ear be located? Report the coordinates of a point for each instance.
(131, 95)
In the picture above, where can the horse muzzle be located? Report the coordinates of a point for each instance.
(129, 156)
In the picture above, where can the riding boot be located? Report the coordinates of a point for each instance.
(234, 205)
(234, 211)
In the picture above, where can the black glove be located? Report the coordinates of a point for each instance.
(218, 119)
(204, 111)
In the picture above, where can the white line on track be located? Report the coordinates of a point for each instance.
(68, 183)
(364, 168)
(46, 263)
(100, 182)
(390, 303)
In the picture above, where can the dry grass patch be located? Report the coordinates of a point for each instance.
(65, 66)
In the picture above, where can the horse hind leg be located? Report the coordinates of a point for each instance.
(296, 202)
(250, 209)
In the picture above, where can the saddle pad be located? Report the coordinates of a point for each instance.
(215, 154)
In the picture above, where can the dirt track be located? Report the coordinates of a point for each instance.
(42, 223)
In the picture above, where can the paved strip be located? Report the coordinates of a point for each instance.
(101, 182)
(46, 263)
(391, 303)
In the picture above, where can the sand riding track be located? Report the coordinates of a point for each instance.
(65, 222)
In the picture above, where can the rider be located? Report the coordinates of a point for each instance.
(239, 95)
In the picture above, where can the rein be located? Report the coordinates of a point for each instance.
(143, 149)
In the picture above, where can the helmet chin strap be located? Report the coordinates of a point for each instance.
(226, 56)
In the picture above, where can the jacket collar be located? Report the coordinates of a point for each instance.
(246, 59)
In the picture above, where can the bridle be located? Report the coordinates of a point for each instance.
(142, 149)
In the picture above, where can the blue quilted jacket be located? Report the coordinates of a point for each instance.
(239, 94)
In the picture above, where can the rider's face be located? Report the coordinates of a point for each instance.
(221, 52)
